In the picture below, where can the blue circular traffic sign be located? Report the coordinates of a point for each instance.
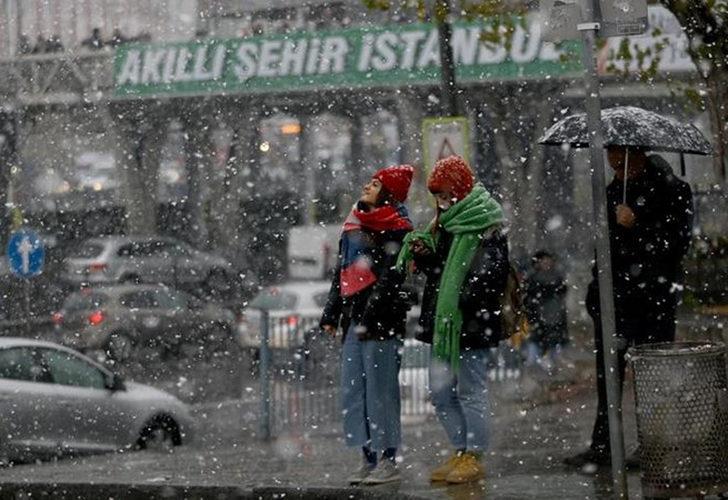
(25, 253)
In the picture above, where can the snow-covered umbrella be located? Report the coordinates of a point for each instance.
(631, 126)
(635, 127)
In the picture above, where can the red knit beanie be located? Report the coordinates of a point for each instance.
(452, 175)
(396, 180)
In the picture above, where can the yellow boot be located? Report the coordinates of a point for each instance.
(440, 473)
(468, 469)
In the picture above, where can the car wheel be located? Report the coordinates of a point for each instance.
(120, 347)
(218, 283)
(131, 279)
(161, 434)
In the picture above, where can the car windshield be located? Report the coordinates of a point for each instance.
(147, 299)
(274, 299)
(87, 251)
(85, 301)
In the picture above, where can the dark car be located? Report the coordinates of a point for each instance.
(117, 319)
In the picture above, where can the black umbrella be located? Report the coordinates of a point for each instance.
(631, 126)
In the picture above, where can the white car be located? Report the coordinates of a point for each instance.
(55, 401)
(293, 308)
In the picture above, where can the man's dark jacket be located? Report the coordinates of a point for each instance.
(480, 295)
(646, 258)
(380, 309)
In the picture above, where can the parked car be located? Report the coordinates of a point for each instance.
(116, 319)
(293, 307)
(56, 401)
(129, 259)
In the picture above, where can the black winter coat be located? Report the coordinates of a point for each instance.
(646, 258)
(380, 309)
(480, 295)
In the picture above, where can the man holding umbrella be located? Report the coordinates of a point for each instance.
(649, 212)
(650, 224)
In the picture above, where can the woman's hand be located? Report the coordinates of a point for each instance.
(419, 248)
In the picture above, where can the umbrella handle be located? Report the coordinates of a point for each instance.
(626, 174)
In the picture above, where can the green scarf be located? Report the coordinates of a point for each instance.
(467, 220)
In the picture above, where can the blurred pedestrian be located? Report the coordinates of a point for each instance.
(40, 45)
(95, 41)
(365, 300)
(545, 304)
(650, 216)
(54, 44)
(117, 38)
(464, 256)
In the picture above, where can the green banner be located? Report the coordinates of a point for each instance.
(358, 57)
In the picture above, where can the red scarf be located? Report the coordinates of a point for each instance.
(356, 246)
(386, 218)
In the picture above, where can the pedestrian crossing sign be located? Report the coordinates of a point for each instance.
(443, 137)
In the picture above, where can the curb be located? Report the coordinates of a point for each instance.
(78, 491)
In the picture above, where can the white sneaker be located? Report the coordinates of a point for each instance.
(361, 473)
(385, 472)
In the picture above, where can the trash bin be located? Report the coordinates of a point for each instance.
(681, 398)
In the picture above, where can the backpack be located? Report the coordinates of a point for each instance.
(513, 313)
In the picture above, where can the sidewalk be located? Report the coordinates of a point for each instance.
(529, 440)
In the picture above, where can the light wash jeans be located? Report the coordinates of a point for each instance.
(461, 399)
(370, 392)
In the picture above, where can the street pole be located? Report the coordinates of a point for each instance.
(264, 373)
(26, 290)
(588, 29)
(447, 61)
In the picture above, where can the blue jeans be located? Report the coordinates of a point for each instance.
(461, 399)
(370, 392)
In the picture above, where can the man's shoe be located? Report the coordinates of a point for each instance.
(385, 472)
(468, 469)
(632, 462)
(440, 473)
(361, 473)
(589, 457)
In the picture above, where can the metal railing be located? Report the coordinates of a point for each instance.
(300, 368)
(300, 371)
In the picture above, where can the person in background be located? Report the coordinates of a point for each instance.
(366, 299)
(650, 216)
(545, 303)
(95, 41)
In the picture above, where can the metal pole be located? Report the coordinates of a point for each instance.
(604, 261)
(265, 431)
(26, 287)
(447, 61)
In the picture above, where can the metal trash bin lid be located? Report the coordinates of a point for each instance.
(674, 349)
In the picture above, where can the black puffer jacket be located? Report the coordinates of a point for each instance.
(480, 295)
(382, 308)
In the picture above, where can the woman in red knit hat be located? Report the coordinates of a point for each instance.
(464, 256)
(365, 301)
